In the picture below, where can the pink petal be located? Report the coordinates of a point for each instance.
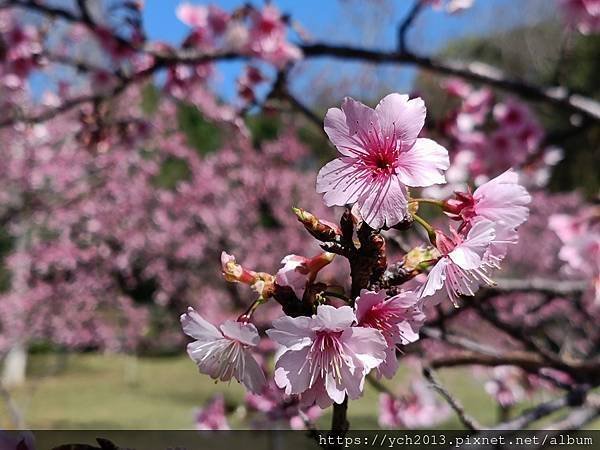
(334, 319)
(339, 134)
(368, 345)
(337, 394)
(293, 333)
(253, 377)
(385, 203)
(366, 301)
(246, 333)
(469, 253)
(198, 328)
(341, 181)
(292, 372)
(401, 117)
(192, 15)
(389, 367)
(435, 279)
(423, 164)
(359, 117)
(503, 199)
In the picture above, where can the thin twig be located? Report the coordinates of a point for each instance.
(468, 421)
(407, 23)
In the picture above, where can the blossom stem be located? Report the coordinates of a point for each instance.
(248, 314)
(430, 201)
(427, 226)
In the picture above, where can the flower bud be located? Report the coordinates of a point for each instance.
(320, 229)
(418, 258)
(234, 272)
(460, 206)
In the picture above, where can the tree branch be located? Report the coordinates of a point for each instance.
(474, 71)
(407, 23)
(466, 419)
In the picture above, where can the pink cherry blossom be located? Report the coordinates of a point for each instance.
(212, 415)
(580, 235)
(452, 6)
(380, 156)
(501, 200)
(224, 353)
(420, 408)
(324, 358)
(462, 266)
(398, 318)
(195, 16)
(297, 271)
(582, 14)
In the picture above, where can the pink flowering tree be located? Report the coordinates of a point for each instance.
(427, 241)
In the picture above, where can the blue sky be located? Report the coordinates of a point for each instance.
(350, 21)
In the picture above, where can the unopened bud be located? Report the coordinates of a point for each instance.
(418, 258)
(320, 229)
(234, 272)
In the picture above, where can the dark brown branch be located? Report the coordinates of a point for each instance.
(407, 23)
(579, 417)
(542, 410)
(473, 71)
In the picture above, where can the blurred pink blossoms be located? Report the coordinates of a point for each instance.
(580, 235)
(420, 408)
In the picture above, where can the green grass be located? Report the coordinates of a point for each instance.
(92, 391)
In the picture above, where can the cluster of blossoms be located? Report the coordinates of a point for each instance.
(328, 342)
(20, 51)
(418, 408)
(489, 136)
(260, 34)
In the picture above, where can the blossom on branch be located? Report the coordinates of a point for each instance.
(398, 318)
(462, 266)
(324, 357)
(501, 200)
(381, 155)
(224, 353)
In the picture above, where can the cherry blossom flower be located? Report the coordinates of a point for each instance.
(582, 14)
(502, 200)
(298, 271)
(462, 266)
(267, 37)
(324, 358)
(195, 16)
(380, 156)
(418, 409)
(452, 6)
(398, 318)
(580, 236)
(224, 353)
(212, 415)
